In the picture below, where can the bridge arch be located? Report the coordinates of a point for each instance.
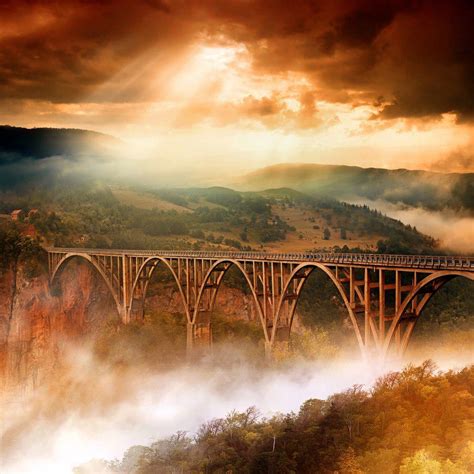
(437, 280)
(145, 272)
(310, 267)
(81, 256)
(227, 265)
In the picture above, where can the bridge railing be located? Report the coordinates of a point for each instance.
(362, 259)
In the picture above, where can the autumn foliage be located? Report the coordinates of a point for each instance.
(414, 421)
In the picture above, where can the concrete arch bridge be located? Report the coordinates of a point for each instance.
(384, 294)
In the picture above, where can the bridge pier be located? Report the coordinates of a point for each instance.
(199, 336)
(281, 341)
(124, 314)
(268, 350)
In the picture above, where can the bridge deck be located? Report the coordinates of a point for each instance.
(426, 262)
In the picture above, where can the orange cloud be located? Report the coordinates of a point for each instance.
(416, 55)
(354, 73)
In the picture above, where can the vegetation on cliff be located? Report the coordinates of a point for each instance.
(14, 247)
(15, 251)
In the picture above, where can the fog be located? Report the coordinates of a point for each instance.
(95, 411)
(99, 413)
(455, 232)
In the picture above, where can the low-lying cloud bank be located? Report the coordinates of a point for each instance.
(455, 232)
(100, 414)
(97, 411)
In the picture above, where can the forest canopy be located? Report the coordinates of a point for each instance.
(417, 420)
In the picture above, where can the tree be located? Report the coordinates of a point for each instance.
(420, 463)
(348, 463)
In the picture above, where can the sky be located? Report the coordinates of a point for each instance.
(240, 84)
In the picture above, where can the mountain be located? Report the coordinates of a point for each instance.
(18, 143)
(37, 157)
(414, 188)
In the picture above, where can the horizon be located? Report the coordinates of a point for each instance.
(253, 170)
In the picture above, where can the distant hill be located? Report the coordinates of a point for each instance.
(17, 143)
(411, 187)
(92, 214)
(37, 156)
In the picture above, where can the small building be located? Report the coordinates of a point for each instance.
(17, 215)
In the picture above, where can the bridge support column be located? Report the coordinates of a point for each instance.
(282, 340)
(124, 314)
(280, 343)
(199, 335)
(189, 339)
(268, 350)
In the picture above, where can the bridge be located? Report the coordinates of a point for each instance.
(384, 295)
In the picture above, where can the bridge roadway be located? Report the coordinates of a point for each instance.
(384, 295)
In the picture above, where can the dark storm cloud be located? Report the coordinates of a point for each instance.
(414, 59)
(62, 51)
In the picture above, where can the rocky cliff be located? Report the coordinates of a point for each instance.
(34, 325)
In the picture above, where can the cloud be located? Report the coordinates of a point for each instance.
(98, 410)
(254, 112)
(406, 58)
(412, 58)
(455, 232)
(460, 160)
(427, 61)
(80, 45)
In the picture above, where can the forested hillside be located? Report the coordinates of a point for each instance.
(413, 421)
(18, 143)
(416, 188)
(99, 215)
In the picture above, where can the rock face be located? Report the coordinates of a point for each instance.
(231, 302)
(34, 325)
